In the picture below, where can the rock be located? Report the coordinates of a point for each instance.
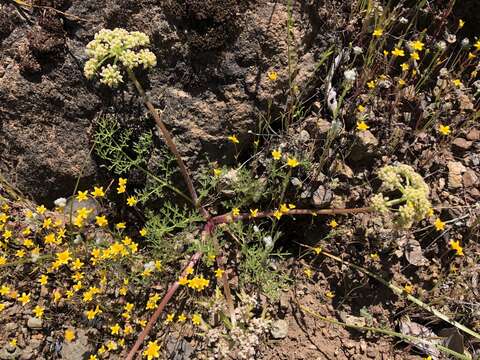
(279, 329)
(48, 115)
(10, 327)
(364, 147)
(322, 196)
(77, 349)
(473, 135)
(181, 348)
(304, 136)
(461, 144)
(322, 125)
(341, 168)
(470, 178)
(34, 323)
(8, 353)
(455, 171)
(367, 138)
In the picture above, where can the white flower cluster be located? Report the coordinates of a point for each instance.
(120, 47)
(414, 203)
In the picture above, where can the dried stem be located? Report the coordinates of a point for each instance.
(171, 291)
(168, 139)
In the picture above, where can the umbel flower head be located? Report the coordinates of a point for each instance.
(413, 204)
(112, 50)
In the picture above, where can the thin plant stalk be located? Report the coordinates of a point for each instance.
(171, 291)
(383, 331)
(400, 292)
(169, 141)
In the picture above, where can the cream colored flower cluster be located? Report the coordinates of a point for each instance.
(414, 204)
(120, 48)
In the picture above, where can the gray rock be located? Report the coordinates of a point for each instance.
(367, 138)
(9, 353)
(77, 349)
(279, 329)
(470, 178)
(181, 348)
(34, 323)
(455, 171)
(473, 135)
(322, 196)
(10, 327)
(461, 144)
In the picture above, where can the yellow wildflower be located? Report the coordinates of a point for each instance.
(272, 75)
(233, 139)
(292, 162)
(101, 220)
(82, 196)
(169, 318)
(276, 154)
(24, 298)
(417, 45)
(253, 213)
(362, 126)
(371, 84)
(477, 45)
(455, 245)
(444, 129)
(219, 273)
(47, 223)
(38, 311)
(132, 201)
(461, 23)
(41, 209)
(398, 52)
(115, 329)
(408, 288)
(235, 211)
(308, 273)
(196, 319)
(377, 32)
(43, 280)
(152, 350)
(277, 214)
(415, 56)
(98, 192)
(439, 224)
(404, 66)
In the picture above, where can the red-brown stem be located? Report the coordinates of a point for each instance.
(226, 218)
(170, 143)
(171, 291)
(226, 287)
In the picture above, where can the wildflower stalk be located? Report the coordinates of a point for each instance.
(226, 287)
(171, 291)
(384, 331)
(400, 292)
(168, 139)
(226, 218)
